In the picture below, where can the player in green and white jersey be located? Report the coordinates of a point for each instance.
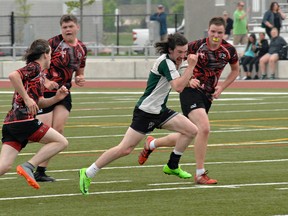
(151, 111)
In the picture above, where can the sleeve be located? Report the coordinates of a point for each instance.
(234, 56)
(192, 47)
(153, 16)
(168, 69)
(83, 60)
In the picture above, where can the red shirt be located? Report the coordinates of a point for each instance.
(32, 79)
(65, 60)
(211, 63)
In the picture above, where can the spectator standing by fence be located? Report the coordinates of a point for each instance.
(240, 27)
(229, 25)
(161, 17)
(273, 18)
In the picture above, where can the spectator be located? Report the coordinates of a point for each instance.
(273, 18)
(276, 44)
(229, 25)
(240, 25)
(161, 16)
(261, 50)
(249, 56)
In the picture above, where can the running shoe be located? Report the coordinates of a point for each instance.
(84, 181)
(204, 179)
(42, 177)
(178, 172)
(144, 154)
(28, 175)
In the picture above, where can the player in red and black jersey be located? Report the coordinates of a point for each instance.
(20, 125)
(214, 54)
(68, 57)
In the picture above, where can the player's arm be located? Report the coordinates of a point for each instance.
(79, 77)
(16, 80)
(180, 83)
(230, 79)
(60, 95)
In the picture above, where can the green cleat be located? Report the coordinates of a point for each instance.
(178, 172)
(84, 181)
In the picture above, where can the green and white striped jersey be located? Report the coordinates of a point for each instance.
(158, 87)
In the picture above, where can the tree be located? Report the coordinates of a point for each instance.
(79, 4)
(23, 11)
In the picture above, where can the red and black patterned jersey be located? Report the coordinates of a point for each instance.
(65, 60)
(211, 63)
(32, 79)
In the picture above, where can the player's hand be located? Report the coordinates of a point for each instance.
(51, 84)
(62, 93)
(31, 106)
(192, 59)
(218, 91)
(79, 80)
(194, 83)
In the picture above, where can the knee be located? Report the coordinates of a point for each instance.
(64, 143)
(191, 132)
(125, 151)
(205, 130)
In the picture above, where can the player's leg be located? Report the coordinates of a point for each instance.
(200, 118)
(7, 157)
(187, 131)
(54, 143)
(152, 143)
(57, 120)
(40, 174)
(125, 147)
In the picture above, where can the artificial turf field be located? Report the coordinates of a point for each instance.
(247, 154)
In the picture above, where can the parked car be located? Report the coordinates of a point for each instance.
(141, 37)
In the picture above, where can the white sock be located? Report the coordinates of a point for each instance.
(177, 153)
(92, 170)
(152, 145)
(200, 172)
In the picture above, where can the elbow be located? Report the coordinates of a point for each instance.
(179, 89)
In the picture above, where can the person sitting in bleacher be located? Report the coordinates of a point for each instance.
(261, 49)
(248, 56)
(276, 44)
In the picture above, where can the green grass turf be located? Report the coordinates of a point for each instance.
(247, 154)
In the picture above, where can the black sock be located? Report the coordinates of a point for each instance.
(41, 169)
(173, 161)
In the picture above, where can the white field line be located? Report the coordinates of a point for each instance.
(161, 165)
(173, 93)
(140, 148)
(197, 187)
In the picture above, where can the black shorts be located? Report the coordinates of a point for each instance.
(66, 102)
(145, 122)
(18, 134)
(191, 99)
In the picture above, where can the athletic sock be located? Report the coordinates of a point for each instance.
(92, 170)
(199, 172)
(152, 144)
(173, 162)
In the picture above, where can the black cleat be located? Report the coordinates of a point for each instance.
(42, 177)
